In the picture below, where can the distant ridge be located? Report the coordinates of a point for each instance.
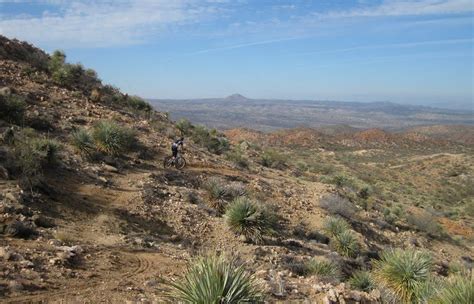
(236, 98)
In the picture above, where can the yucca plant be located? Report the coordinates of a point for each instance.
(324, 269)
(335, 225)
(346, 244)
(111, 138)
(216, 280)
(48, 148)
(215, 188)
(362, 280)
(457, 290)
(83, 142)
(250, 219)
(403, 274)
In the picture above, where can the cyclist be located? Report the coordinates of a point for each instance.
(175, 146)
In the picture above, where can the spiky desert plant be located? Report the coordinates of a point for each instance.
(111, 138)
(335, 225)
(215, 188)
(403, 274)
(216, 280)
(458, 289)
(324, 269)
(250, 219)
(84, 143)
(48, 147)
(361, 280)
(346, 244)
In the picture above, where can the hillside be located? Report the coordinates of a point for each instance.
(237, 111)
(89, 214)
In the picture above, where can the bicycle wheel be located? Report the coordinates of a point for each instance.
(180, 163)
(168, 162)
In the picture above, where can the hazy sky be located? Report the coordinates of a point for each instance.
(401, 51)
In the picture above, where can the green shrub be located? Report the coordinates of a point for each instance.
(71, 75)
(48, 148)
(211, 140)
(217, 145)
(236, 156)
(362, 280)
(272, 159)
(84, 143)
(111, 138)
(340, 181)
(250, 219)
(138, 103)
(216, 280)
(32, 155)
(184, 126)
(12, 108)
(364, 193)
(457, 290)
(403, 274)
(335, 225)
(346, 244)
(322, 268)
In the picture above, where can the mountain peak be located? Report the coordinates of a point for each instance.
(236, 97)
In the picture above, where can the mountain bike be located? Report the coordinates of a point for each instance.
(179, 162)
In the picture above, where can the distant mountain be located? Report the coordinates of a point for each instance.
(236, 98)
(237, 111)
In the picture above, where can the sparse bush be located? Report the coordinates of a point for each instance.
(340, 181)
(362, 280)
(236, 156)
(71, 75)
(402, 274)
(457, 290)
(272, 159)
(215, 279)
(111, 138)
(337, 205)
(83, 142)
(12, 108)
(49, 149)
(250, 219)
(335, 225)
(211, 140)
(138, 103)
(425, 222)
(32, 155)
(193, 197)
(364, 193)
(324, 269)
(346, 244)
(184, 126)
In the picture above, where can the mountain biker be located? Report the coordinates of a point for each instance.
(175, 146)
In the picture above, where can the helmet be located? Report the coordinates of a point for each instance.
(182, 138)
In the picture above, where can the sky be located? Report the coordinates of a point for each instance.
(415, 52)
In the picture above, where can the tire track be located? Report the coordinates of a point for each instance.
(140, 266)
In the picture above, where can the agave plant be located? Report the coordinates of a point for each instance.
(83, 142)
(250, 219)
(457, 289)
(404, 274)
(111, 138)
(216, 280)
(346, 244)
(322, 268)
(362, 280)
(335, 225)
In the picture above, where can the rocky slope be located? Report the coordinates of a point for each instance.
(114, 228)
